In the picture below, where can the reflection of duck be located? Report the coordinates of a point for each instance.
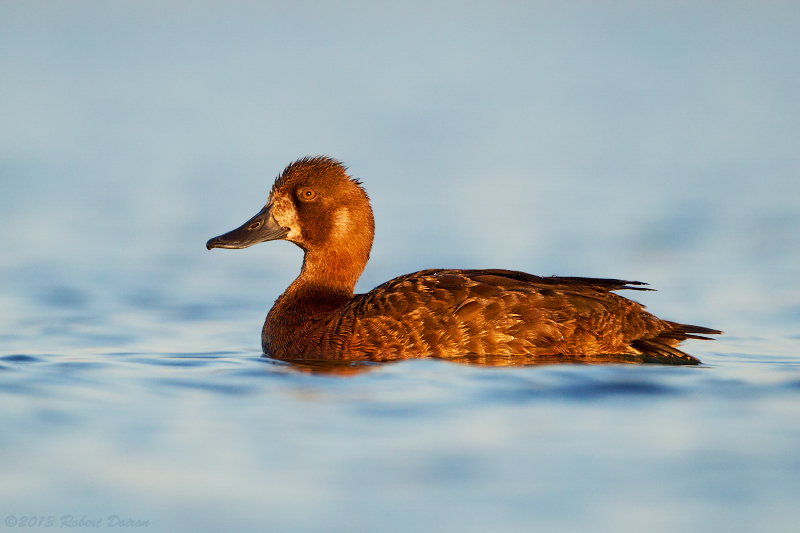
(440, 313)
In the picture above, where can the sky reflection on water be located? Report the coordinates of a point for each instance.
(645, 141)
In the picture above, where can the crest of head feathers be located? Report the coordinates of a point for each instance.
(321, 168)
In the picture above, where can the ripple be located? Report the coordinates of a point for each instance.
(20, 358)
(226, 389)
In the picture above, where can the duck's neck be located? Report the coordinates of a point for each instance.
(326, 282)
(332, 267)
(331, 271)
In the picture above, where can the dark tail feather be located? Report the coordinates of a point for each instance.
(654, 351)
(681, 332)
(660, 349)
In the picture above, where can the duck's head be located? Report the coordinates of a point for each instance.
(317, 206)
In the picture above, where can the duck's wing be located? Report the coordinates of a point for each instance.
(656, 340)
(450, 313)
(507, 277)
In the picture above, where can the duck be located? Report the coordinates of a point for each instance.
(439, 313)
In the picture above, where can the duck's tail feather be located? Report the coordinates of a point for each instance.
(662, 348)
(654, 351)
(681, 332)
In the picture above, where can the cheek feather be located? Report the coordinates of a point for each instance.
(340, 224)
(285, 214)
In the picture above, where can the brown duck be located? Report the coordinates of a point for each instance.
(437, 313)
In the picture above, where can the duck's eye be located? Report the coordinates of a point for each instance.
(254, 225)
(308, 194)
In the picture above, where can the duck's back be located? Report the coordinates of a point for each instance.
(453, 313)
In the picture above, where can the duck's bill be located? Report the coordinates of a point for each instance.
(260, 228)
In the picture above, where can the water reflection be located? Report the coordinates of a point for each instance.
(345, 367)
(340, 367)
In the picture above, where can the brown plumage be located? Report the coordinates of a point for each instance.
(453, 314)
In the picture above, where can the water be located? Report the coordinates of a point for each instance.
(645, 142)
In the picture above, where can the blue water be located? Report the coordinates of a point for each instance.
(646, 142)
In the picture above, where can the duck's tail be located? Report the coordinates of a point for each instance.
(681, 332)
(662, 348)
